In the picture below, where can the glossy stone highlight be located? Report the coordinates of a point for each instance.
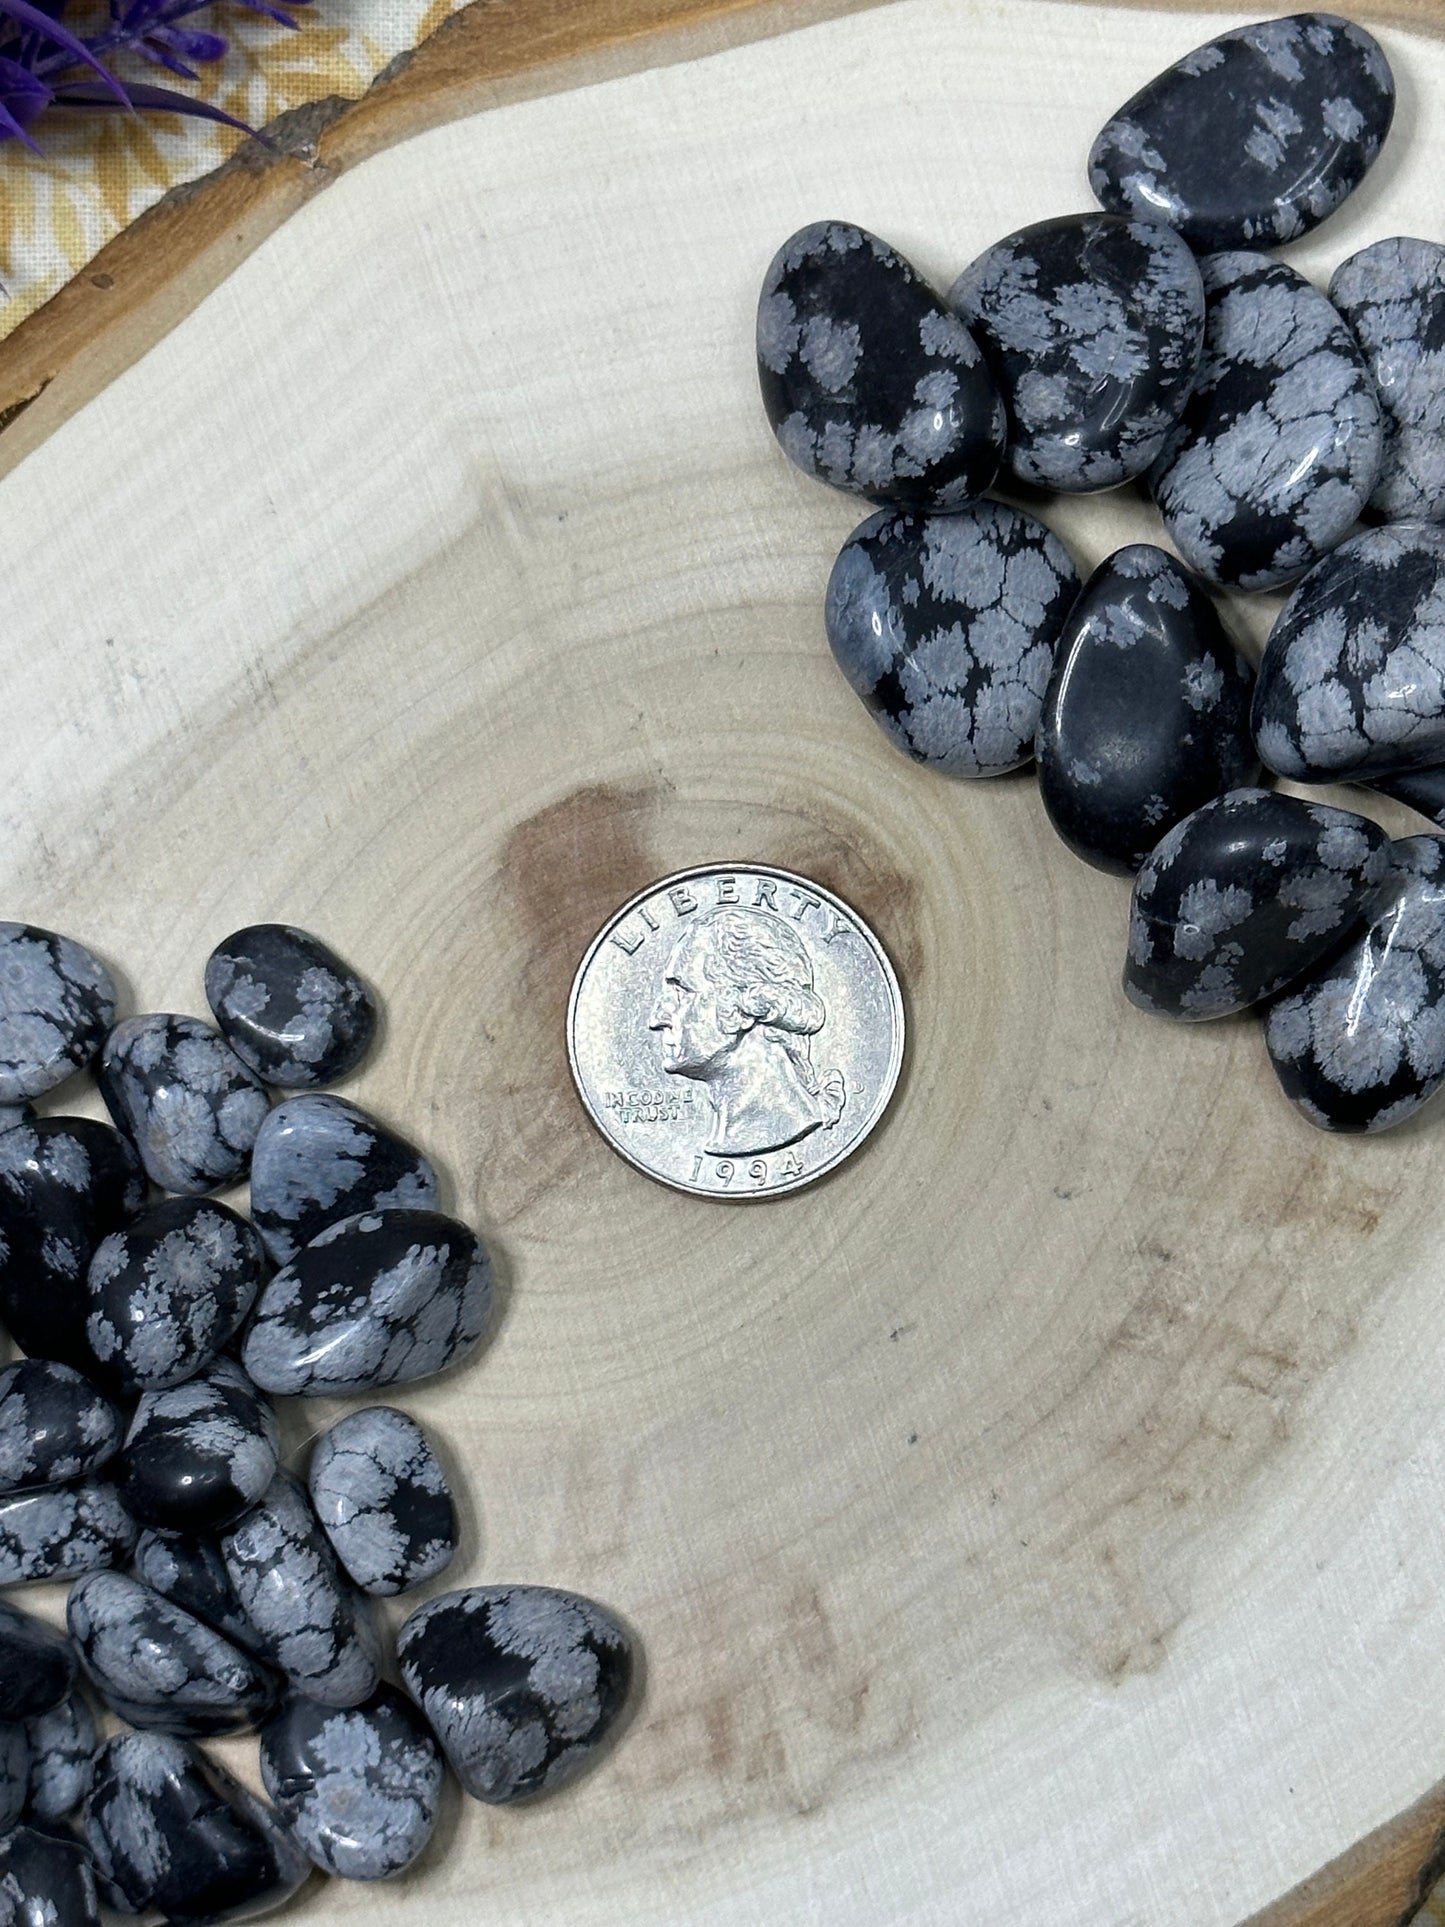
(178, 1090)
(376, 1300)
(37, 1665)
(62, 1742)
(1244, 896)
(360, 1788)
(318, 1159)
(46, 1881)
(1146, 715)
(288, 1006)
(309, 1621)
(1278, 447)
(198, 1455)
(169, 1291)
(169, 1829)
(1393, 296)
(1352, 681)
(870, 383)
(383, 1501)
(57, 1002)
(945, 626)
(62, 1531)
(1092, 328)
(64, 1183)
(1253, 138)
(54, 1425)
(520, 1683)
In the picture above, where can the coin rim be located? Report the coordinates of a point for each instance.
(895, 1063)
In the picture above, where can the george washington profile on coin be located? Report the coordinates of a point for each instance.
(736, 1012)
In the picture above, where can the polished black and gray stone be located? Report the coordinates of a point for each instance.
(189, 1104)
(288, 1006)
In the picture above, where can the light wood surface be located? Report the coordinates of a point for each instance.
(1039, 1520)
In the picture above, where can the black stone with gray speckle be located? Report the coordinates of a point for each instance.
(191, 1572)
(359, 1786)
(869, 381)
(520, 1683)
(1392, 293)
(161, 1668)
(1420, 789)
(169, 1829)
(62, 1743)
(46, 1881)
(54, 1425)
(64, 1183)
(383, 1501)
(13, 1114)
(37, 1665)
(319, 1159)
(62, 1531)
(57, 1002)
(179, 1091)
(1359, 1045)
(198, 1455)
(1243, 897)
(1278, 447)
(1253, 138)
(14, 1772)
(288, 1006)
(169, 1291)
(1352, 681)
(1092, 327)
(945, 626)
(1146, 715)
(309, 1620)
(375, 1300)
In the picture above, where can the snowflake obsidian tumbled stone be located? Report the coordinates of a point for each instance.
(1393, 296)
(192, 1573)
(359, 1786)
(37, 1665)
(318, 1159)
(383, 1500)
(1243, 897)
(870, 383)
(1278, 447)
(1253, 138)
(519, 1683)
(14, 1774)
(57, 1002)
(1092, 327)
(62, 1742)
(61, 1531)
(198, 1455)
(46, 1880)
(179, 1091)
(945, 626)
(54, 1425)
(288, 1006)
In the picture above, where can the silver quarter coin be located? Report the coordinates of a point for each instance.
(735, 1031)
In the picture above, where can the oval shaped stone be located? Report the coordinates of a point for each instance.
(189, 1104)
(191, 1573)
(376, 1300)
(64, 1183)
(869, 381)
(54, 1425)
(318, 1159)
(1279, 444)
(519, 1683)
(1359, 1044)
(288, 1006)
(309, 1621)
(46, 1881)
(359, 1787)
(158, 1666)
(383, 1501)
(14, 1772)
(169, 1291)
(1253, 138)
(62, 1743)
(1392, 293)
(1146, 715)
(169, 1829)
(1092, 327)
(37, 1665)
(1243, 897)
(1352, 681)
(62, 1531)
(945, 626)
(198, 1455)
(57, 1002)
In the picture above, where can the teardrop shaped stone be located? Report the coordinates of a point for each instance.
(1253, 138)
(869, 381)
(196, 1456)
(1243, 897)
(1146, 715)
(318, 1159)
(1392, 293)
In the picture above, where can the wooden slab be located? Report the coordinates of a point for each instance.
(1039, 1520)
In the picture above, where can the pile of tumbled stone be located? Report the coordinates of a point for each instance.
(139, 1431)
(1156, 344)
